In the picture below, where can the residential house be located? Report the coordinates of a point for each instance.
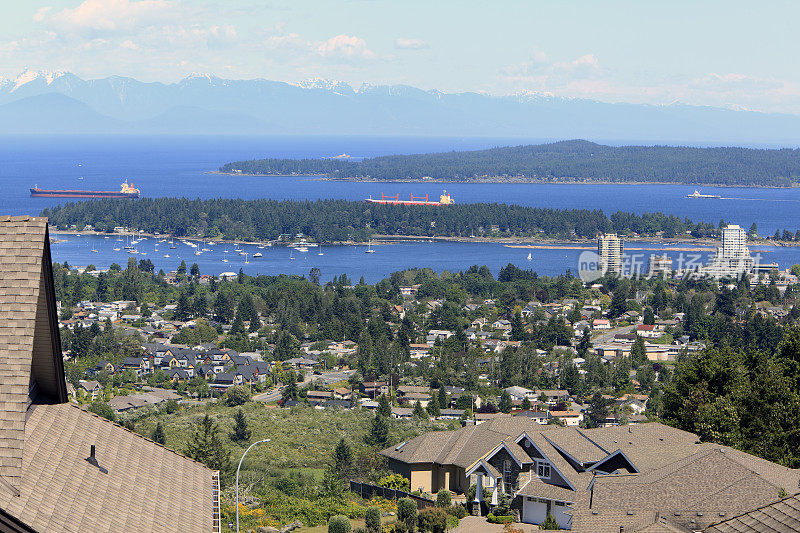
(373, 389)
(91, 387)
(602, 480)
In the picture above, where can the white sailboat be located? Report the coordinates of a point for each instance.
(529, 256)
(369, 249)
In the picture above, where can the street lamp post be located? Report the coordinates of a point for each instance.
(237, 479)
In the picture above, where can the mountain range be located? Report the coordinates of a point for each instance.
(39, 102)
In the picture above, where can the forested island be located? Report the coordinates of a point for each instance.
(341, 220)
(575, 160)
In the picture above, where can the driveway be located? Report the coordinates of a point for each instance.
(478, 524)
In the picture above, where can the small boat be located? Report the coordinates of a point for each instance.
(291, 255)
(242, 253)
(258, 254)
(301, 249)
(369, 249)
(320, 251)
(166, 256)
(206, 250)
(94, 251)
(198, 252)
(224, 260)
(133, 251)
(529, 256)
(116, 249)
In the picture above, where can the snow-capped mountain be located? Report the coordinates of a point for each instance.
(44, 101)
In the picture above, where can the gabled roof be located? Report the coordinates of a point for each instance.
(28, 334)
(46, 481)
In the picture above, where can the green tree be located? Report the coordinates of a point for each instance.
(241, 432)
(378, 432)
(158, 434)
(419, 411)
(205, 446)
(526, 404)
(444, 402)
(550, 523)
(433, 408)
(444, 499)
(505, 402)
(103, 409)
(407, 513)
(237, 395)
(343, 462)
(384, 407)
(638, 352)
(433, 520)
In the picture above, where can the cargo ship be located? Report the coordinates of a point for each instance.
(444, 199)
(126, 191)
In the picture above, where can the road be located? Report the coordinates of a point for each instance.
(608, 336)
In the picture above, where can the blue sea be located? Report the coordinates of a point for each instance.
(179, 166)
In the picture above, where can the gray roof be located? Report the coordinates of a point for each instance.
(778, 517)
(46, 483)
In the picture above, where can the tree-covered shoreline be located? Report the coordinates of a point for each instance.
(561, 161)
(341, 220)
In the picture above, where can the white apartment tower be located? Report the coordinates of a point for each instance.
(734, 243)
(609, 249)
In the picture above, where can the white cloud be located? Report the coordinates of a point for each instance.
(111, 16)
(410, 44)
(41, 13)
(345, 47)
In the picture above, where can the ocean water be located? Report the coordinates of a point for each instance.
(179, 166)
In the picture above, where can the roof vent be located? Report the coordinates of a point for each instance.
(661, 439)
(630, 513)
(92, 459)
(399, 446)
(722, 514)
(677, 513)
(595, 512)
(699, 513)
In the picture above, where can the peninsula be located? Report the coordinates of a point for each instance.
(570, 161)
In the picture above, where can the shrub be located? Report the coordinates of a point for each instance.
(459, 511)
(452, 522)
(433, 520)
(407, 512)
(550, 523)
(103, 409)
(492, 519)
(339, 524)
(237, 395)
(372, 519)
(396, 482)
(444, 498)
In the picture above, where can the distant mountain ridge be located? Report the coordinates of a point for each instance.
(203, 103)
(575, 160)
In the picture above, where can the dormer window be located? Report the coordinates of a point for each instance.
(543, 469)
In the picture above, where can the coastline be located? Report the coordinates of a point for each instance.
(496, 179)
(510, 242)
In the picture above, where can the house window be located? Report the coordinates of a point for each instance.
(543, 469)
(507, 474)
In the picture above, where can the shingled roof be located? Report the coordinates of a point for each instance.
(47, 482)
(778, 517)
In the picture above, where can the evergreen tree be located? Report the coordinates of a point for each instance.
(223, 309)
(526, 404)
(241, 432)
(343, 462)
(206, 447)
(384, 407)
(585, 343)
(419, 411)
(433, 408)
(184, 309)
(379, 431)
(443, 400)
(194, 271)
(158, 434)
(648, 317)
(638, 352)
(505, 402)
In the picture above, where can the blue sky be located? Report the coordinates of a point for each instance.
(722, 53)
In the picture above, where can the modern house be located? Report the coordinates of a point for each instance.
(611, 479)
(63, 468)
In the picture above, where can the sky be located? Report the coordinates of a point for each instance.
(730, 53)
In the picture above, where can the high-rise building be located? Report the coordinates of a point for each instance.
(609, 250)
(734, 242)
(733, 257)
(660, 265)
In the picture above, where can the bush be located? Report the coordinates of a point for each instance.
(372, 519)
(444, 498)
(407, 512)
(396, 482)
(452, 522)
(339, 524)
(103, 409)
(459, 511)
(492, 519)
(550, 523)
(237, 395)
(433, 520)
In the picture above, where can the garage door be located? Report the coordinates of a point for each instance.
(533, 512)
